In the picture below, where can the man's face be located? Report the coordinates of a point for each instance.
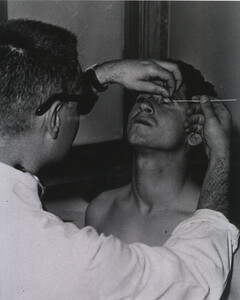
(155, 123)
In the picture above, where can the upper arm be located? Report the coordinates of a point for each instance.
(97, 211)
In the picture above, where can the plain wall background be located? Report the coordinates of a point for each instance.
(100, 30)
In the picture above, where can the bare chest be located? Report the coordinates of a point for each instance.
(152, 229)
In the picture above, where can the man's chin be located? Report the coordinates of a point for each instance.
(137, 142)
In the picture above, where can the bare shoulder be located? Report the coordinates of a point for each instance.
(100, 207)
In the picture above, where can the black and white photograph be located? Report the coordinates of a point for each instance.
(119, 150)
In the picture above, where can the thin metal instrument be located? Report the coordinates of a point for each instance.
(197, 101)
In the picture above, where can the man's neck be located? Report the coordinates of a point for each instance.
(16, 154)
(160, 180)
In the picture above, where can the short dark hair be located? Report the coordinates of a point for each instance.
(36, 61)
(194, 81)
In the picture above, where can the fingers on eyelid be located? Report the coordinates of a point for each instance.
(174, 69)
(154, 88)
(196, 97)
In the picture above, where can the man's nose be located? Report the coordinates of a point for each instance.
(146, 105)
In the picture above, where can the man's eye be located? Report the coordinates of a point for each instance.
(141, 99)
(165, 101)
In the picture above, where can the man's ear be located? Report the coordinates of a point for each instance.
(54, 120)
(194, 139)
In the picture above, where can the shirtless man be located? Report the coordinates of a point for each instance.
(162, 192)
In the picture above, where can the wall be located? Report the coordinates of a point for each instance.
(206, 34)
(99, 27)
(3, 10)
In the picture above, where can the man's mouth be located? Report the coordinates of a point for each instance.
(142, 121)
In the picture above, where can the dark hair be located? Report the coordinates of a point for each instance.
(194, 81)
(36, 61)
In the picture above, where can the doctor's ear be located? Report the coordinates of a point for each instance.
(54, 119)
(194, 139)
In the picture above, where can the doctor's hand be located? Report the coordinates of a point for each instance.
(149, 76)
(213, 121)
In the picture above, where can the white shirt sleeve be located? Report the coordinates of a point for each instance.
(193, 264)
(60, 262)
(42, 257)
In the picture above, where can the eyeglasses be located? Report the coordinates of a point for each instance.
(84, 102)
